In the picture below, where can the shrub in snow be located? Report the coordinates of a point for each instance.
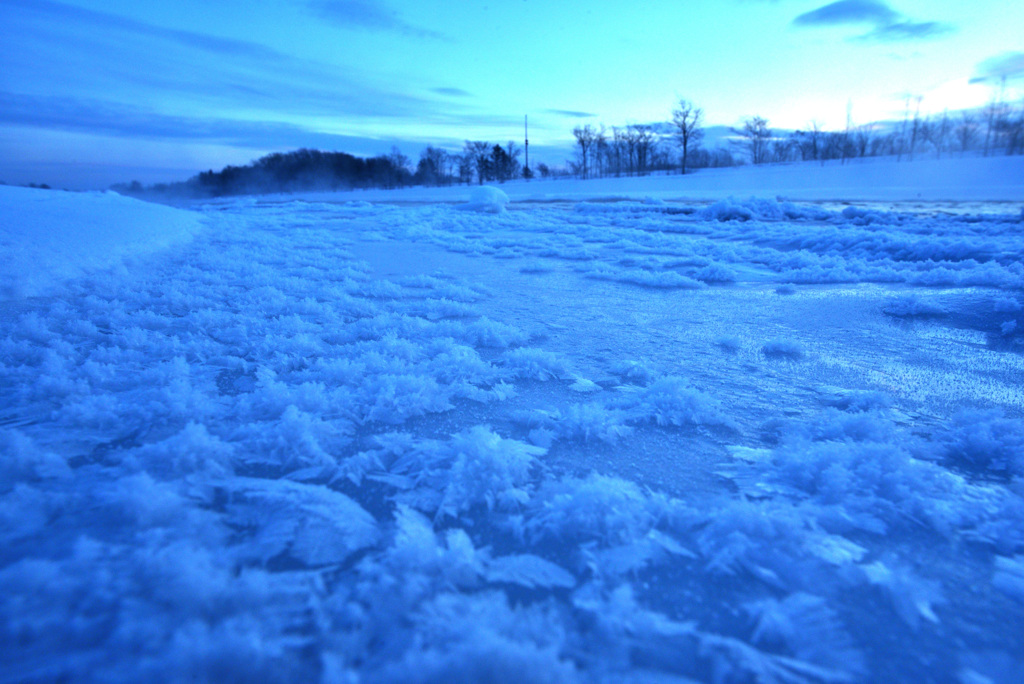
(486, 199)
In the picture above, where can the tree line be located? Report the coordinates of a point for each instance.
(306, 169)
(628, 150)
(639, 149)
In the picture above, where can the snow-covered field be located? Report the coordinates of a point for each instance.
(642, 440)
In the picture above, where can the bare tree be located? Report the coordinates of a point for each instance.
(755, 136)
(784, 149)
(688, 120)
(915, 131)
(432, 168)
(586, 137)
(941, 132)
(600, 151)
(504, 162)
(613, 152)
(814, 140)
(901, 140)
(993, 114)
(1013, 128)
(464, 167)
(630, 140)
(478, 153)
(847, 145)
(399, 167)
(646, 142)
(966, 132)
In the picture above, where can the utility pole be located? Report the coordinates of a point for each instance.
(526, 138)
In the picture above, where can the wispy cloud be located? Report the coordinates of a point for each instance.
(79, 17)
(888, 25)
(570, 113)
(132, 61)
(451, 92)
(1006, 65)
(906, 30)
(848, 12)
(98, 117)
(86, 115)
(369, 15)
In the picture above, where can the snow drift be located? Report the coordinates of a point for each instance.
(48, 236)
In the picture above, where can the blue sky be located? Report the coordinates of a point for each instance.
(94, 92)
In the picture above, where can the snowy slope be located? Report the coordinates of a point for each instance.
(48, 236)
(740, 441)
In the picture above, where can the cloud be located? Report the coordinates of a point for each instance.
(1006, 65)
(889, 26)
(848, 12)
(451, 92)
(570, 113)
(85, 115)
(371, 15)
(132, 61)
(102, 117)
(79, 17)
(906, 30)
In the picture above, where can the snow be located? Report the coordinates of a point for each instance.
(49, 236)
(281, 439)
(487, 199)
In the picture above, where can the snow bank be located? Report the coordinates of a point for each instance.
(49, 236)
(486, 199)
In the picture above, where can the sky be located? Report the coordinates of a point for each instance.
(94, 92)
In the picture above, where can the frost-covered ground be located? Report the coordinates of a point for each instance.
(606, 441)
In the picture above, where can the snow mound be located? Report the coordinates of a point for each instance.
(49, 236)
(486, 199)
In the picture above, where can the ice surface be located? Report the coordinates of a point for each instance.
(617, 441)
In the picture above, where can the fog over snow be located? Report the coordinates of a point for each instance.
(750, 429)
